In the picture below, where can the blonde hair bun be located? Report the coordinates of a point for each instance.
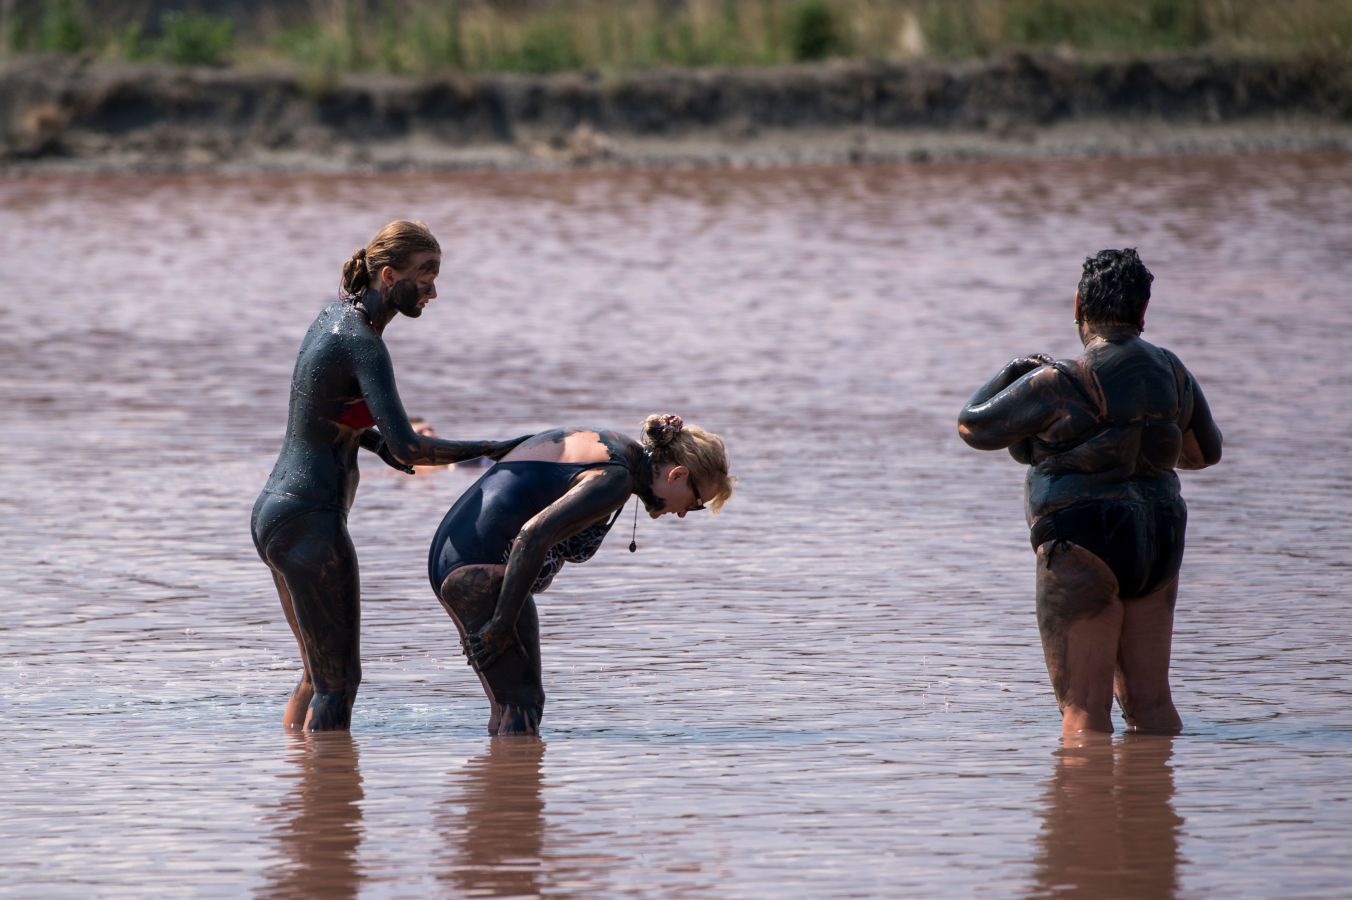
(661, 429)
(669, 441)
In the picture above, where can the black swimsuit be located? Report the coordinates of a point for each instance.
(1140, 540)
(481, 526)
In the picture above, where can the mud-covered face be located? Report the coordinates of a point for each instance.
(413, 287)
(677, 490)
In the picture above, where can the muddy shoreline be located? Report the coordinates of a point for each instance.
(81, 115)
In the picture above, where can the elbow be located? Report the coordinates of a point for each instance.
(1194, 458)
(529, 541)
(1209, 451)
(973, 438)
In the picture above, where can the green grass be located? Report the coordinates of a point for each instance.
(195, 39)
(433, 36)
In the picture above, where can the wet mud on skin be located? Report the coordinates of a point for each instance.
(834, 688)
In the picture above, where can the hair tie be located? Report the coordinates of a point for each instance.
(668, 427)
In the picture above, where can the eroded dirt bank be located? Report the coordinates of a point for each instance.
(61, 113)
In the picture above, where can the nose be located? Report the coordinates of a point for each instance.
(680, 514)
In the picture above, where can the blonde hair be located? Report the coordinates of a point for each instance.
(669, 440)
(396, 243)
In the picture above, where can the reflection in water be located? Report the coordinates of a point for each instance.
(710, 739)
(319, 827)
(1109, 827)
(494, 822)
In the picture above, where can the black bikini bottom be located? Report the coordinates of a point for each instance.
(1141, 542)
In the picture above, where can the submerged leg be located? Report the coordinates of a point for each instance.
(298, 704)
(1142, 680)
(317, 566)
(513, 683)
(1080, 619)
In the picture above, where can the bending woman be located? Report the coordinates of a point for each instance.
(1103, 434)
(343, 396)
(550, 501)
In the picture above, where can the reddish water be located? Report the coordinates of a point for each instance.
(833, 689)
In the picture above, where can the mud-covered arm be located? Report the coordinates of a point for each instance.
(589, 502)
(375, 442)
(1201, 436)
(1014, 405)
(375, 376)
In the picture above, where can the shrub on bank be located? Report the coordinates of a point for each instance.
(195, 39)
(428, 36)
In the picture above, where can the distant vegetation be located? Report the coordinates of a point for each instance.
(430, 36)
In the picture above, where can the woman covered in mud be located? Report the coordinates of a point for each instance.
(1103, 435)
(343, 396)
(550, 501)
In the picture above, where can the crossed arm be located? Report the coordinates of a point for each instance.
(1014, 405)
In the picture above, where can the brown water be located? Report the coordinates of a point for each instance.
(833, 689)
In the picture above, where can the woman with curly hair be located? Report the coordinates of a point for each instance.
(549, 501)
(1103, 435)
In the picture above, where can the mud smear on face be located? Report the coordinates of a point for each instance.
(404, 296)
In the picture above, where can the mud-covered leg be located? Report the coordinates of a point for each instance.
(513, 682)
(318, 564)
(469, 595)
(1080, 618)
(1142, 680)
(299, 702)
(523, 704)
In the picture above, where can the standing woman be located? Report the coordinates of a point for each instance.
(1103, 435)
(551, 501)
(343, 396)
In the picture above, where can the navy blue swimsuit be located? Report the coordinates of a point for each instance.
(480, 528)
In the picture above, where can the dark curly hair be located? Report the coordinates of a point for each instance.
(1115, 288)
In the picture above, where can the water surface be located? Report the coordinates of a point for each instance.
(833, 689)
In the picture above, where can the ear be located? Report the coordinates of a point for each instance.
(1077, 304)
(676, 472)
(386, 277)
(1141, 324)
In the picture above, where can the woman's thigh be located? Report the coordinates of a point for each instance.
(1080, 620)
(470, 595)
(1145, 648)
(314, 556)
